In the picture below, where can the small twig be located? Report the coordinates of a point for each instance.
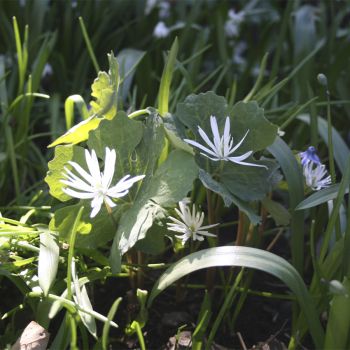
(273, 242)
(240, 338)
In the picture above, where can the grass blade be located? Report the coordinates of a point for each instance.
(164, 88)
(292, 172)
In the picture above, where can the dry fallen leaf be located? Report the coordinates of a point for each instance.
(34, 337)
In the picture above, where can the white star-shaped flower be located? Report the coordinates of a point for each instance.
(316, 175)
(95, 185)
(222, 146)
(190, 224)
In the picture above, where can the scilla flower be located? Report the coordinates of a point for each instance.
(161, 30)
(309, 155)
(222, 147)
(190, 224)
(316, 175)
(95, 185)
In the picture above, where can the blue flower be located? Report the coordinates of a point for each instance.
(309, 155)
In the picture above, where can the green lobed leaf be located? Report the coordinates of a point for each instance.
(196, 111)
(92, 232)
(105, 90)
(227, 196)
(247, 182)
(63, 154)
(121, 134)
(250, 258)
(154, 242)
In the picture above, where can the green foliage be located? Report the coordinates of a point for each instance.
(169, 184)
(245, 257)
(50, 51)
(105, 90)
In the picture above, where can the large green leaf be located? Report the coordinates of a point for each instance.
(63, 154)
(121, 134)
(250, 258)
(227, 196)
(92, 232)
(170, 183)
(196, 111)
(250, 183)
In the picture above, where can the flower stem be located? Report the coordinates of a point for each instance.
(240, 228)
(210, 274)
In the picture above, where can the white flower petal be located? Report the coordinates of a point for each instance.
(206, 139)
(123, 185)
(92, 163)
(215, 130)
(74, 179)
(75, 194)
(203, 148)
(96, 204)
(239, 143)
(82, 172)
(109, 202)
(108, 173)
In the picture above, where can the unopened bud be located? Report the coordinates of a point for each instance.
(322, 79)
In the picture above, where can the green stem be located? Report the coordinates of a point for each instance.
(72, 307)
(138, 113)
(71, 252)
(330, 139)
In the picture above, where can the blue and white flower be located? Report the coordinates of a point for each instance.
(190, 225)
(222, 147)
(95, 185)
(316, 175)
